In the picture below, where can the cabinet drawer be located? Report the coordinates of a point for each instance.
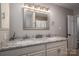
(52, 52)
(56, 44)
(35, 48)
(40, 53)
(14, 52)
(25, 50)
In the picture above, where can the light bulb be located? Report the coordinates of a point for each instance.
(36, 8)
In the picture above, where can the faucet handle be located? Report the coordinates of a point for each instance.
(13, 37)
(26, 36)
(48, 35)
(39, 36)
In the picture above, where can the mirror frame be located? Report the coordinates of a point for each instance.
(26, 28)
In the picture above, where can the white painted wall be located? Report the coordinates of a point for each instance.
(56, 14)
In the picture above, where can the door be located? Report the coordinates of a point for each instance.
(78, 31)
(71, 33)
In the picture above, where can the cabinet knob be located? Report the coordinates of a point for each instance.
(68, 34)
(58, 50)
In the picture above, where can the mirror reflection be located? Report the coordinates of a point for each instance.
(41, 20)
(28, 19)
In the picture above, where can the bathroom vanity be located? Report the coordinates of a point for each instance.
(54, 46)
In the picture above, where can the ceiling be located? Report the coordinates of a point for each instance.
(68, 5)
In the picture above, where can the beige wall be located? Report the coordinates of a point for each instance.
(57, 15)
(76, 12)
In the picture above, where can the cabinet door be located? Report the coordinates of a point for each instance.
(62, 51)
(42, 53)
(56, 44)
(52, 52)
(57, 51)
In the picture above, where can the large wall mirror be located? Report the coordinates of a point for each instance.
(35, 19)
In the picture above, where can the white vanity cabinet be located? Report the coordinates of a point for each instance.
(31, 50)
(58, 51)
(57, 48)
(48, 49)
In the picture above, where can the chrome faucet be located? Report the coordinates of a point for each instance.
(13, 37)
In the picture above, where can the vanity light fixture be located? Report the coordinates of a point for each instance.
(29, 6)
(33, 7)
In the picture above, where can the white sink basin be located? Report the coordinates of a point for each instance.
(25, 42)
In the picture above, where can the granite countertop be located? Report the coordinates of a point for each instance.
(30, 42)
